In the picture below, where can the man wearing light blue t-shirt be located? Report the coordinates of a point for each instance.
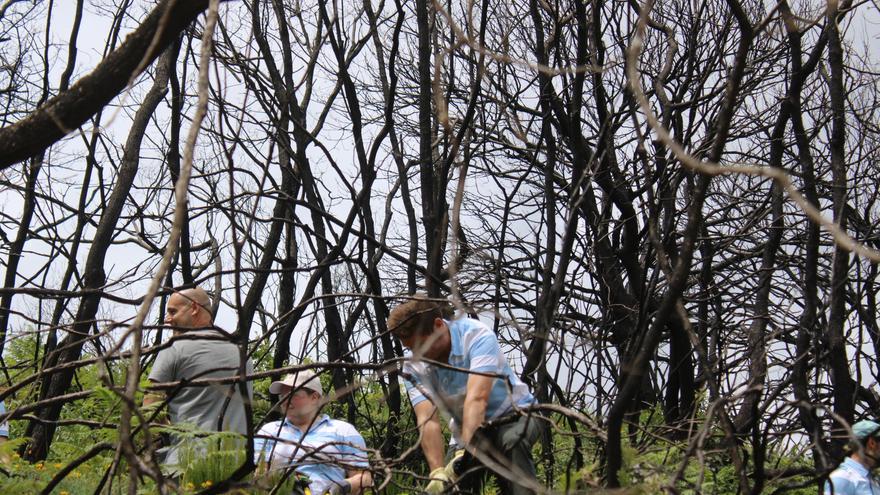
(853, 476)
(457, 367)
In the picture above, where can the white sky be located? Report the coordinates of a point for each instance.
(864, 28)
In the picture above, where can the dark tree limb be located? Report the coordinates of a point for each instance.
(70, 109)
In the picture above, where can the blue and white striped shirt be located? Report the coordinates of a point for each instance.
(324, 454)
(4, 426)
(851, 478)
(474, 347)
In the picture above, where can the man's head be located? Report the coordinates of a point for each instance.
(418, 323)
(188, 309)
(300, 394)
(866, 443)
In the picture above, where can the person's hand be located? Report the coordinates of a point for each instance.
(457, 464)
(439, 479)
(447, 474)
(341, 488)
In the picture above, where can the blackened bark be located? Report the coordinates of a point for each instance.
(83, 218)
(17, 246)
(71, 47)
(389, 447)
(757, 347)
(173, 158)
(283, 89)
(433, 187)
(70, 109)
(42, 430)
(631, 380)
(843, 386)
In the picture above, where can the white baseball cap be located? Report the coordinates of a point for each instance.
(301, 379)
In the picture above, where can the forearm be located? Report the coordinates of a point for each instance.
(473, 415)
(432, 444)
(431, 436)
(476, 400)
(152, 400)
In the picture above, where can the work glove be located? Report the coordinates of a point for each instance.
(340, 488)
(439, 479)
(458, 464)
(443, 476)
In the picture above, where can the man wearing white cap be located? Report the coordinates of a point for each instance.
(853, 476)
(331, 453)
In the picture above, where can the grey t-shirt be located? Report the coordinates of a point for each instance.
(203, 354)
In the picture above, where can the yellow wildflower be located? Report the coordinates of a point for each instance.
(39, 466)
(58, 465)
(207, 484)
(190, 486)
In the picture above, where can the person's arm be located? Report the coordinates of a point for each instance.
(163, 370)
(431, 434)
(476, 400)
(359, 480)
(153, 399)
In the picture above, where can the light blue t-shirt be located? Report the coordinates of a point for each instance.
(324, 454)
(4, 426)
(474, 347)
(851, 478)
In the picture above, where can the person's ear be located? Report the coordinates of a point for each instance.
(438, 323)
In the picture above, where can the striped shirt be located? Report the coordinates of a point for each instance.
(325, 453)
(474, 347)
(851, 478)
(4, 426)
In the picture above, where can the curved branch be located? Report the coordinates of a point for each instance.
(70, 109)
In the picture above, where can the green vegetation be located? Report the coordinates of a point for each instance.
(651, 458)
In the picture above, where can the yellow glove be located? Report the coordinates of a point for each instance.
(439, 480)
(446, 475)
(454, 468)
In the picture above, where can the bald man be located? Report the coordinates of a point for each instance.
(200, 351)
(189, 309)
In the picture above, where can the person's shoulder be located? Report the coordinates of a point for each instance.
(215, 334)
(470, 329)
(410, 366)
(201, 338)
(476, 337)
(468, 324)
(844, 479)
(270, 428)
(343, 427)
